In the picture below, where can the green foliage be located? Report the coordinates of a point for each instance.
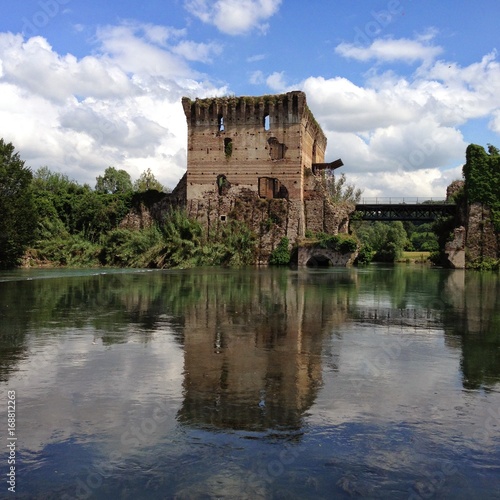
(228, 148)
(387, 240)
(423, 238)
(95, 213)
(338, 189)
(365, 255)
(234, 244)
(482, 179)
(484, 264)
(70, 250)
(281, 255)
(113, 181)
(342, 243)
(147, 181)
(18, 216)
(81, 210)
(182, 238)
(127, 248)
(443, 227)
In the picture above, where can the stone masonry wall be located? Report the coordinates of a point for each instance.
(482, 240)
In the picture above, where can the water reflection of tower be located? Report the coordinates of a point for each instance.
(253, 352)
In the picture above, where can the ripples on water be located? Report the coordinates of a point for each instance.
(375, 383)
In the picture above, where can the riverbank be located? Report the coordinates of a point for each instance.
(415, 258)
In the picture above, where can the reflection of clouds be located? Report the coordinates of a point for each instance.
(273, 376)
(83, 389)
(389, 375)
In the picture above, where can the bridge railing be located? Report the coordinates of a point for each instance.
(393, 200)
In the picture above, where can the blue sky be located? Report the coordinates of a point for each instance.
(400, 87)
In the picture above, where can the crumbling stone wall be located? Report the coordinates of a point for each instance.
(252, 159)
(474, 236)
(482, 240)
(455, 249)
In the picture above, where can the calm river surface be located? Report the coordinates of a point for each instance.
(382, 382)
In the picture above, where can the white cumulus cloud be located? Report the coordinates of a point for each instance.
(120, 106)
(390, 50)
(234, 17)
(393, 127)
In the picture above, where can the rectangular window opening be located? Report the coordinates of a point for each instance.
(220, 122)
(267, 123)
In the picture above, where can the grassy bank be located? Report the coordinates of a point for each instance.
(415, 257)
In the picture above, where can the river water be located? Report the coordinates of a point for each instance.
(379, 382)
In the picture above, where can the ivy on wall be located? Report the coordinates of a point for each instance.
(482, 178)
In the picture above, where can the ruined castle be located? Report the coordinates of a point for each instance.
(257, 159)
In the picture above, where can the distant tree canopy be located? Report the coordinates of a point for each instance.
(113, 182)
(385, 241)
(482, 178)
(17, 211)
(147, 181)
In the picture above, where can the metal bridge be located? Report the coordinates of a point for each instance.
(410, 209)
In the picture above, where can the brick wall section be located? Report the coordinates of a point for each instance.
(244, 139)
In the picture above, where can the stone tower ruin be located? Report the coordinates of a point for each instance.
(256, 159)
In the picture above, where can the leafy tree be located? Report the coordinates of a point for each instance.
(423, 238)
(96, 213)
(339, 190)
(55, 195)
(17, 211)
(113, 181)
(147, 181)
(493, 151)
(386, 240)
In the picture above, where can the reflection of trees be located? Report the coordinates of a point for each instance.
(118, 305)
(253, 353)
(405, 286)
(465, 304)
(475, 320)
(272, 320)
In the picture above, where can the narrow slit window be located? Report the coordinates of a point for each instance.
(267, 123)
(221, 123)
(228, 147)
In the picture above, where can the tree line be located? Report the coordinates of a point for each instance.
(48, 218)
(45, 217)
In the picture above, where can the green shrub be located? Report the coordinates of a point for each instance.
(365, 255)
(485, 264)
(280, 256)
(343, 243)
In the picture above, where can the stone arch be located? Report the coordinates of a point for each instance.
(316, 256)
(319, 259)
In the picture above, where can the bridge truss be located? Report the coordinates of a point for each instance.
(391, 209)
